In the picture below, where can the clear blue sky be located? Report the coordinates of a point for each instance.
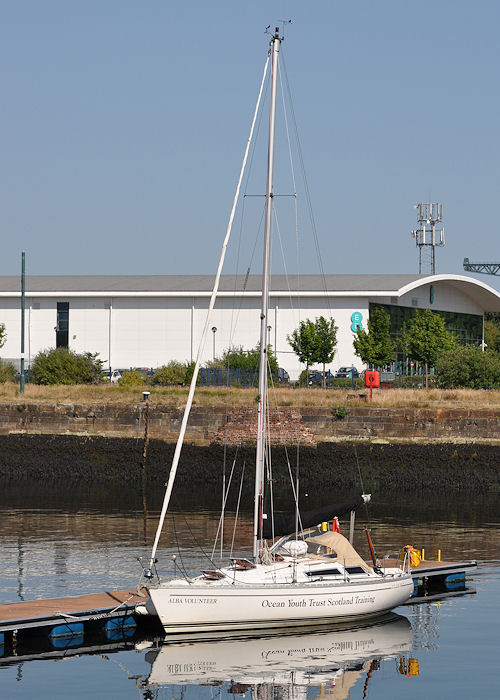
(123, 125)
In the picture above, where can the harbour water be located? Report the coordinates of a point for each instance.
(62, 539)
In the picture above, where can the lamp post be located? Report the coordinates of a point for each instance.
(214, 331)
(23, 306)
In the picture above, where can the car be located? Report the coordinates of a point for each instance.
(282, 376)
(316, 377)
(145, 371)
(347, 372)
(112, 376)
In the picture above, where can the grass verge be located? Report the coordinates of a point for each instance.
(233, 396)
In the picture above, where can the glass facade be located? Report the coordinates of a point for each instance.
(467, 328)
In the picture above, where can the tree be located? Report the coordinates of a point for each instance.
(492, 335)
(303, 341)
(467, 366)
(62, 366)
(314, 341)
(326, 334)
(426, 338)
(3, 334)
(375, 347)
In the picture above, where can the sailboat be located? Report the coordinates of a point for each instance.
(304, 578)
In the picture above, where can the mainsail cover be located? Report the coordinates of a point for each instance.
(284, 523)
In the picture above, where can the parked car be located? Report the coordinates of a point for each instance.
(316, 377)
(112, 376)
(282, 376)
(348, 372)
(147, 372)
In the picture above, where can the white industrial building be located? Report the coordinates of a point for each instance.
(145, 321)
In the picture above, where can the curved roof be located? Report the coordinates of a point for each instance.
(484, 295)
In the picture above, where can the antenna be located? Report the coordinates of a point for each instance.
(282, 22)
(427, 237)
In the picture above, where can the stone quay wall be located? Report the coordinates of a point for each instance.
(210, 424)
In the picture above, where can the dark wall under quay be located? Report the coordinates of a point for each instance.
(330, 466)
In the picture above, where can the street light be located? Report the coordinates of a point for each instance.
(214, 331)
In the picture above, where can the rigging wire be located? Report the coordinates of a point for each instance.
(240, 305)
(292, 167)
(198, 544)
(287, 457)
(269, 453)
(176, 539)
(223, 491)
(297, 253)
(204, 553)
(361, 483)
(180, 439)
(306, 188)
(293, 307)
(234, 322)
(237, 508)
(225, 495)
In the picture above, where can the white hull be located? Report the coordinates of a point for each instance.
(215, 607)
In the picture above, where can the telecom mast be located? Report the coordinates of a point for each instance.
(427, 237)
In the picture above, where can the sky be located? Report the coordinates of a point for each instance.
(123, 125)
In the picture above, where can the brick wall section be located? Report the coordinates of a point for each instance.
(316, 424)
(285, 427)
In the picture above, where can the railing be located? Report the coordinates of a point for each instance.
(223, 376)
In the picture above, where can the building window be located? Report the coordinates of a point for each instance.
(467, 328)
(62, 327)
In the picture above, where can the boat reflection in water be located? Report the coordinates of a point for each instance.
(285, 665)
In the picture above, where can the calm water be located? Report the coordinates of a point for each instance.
(89, 539)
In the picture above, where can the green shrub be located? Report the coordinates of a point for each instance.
(62, 366)
(408, 382)
(468, 367)
(7, 372)
(238, 358)
(340, 412)
(133, 378)
(172, 373)
(345, 383)
(189, 373)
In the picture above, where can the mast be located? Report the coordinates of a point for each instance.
(262, 397)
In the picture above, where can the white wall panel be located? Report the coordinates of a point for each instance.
(148, 331)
